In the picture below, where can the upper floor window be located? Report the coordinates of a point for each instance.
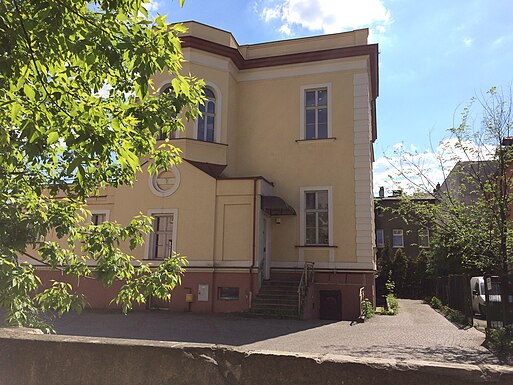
(316, 114)
(397, 238)
(160, 134)
(315, 111)
(206, 122)
(424, 238)
(380, 239)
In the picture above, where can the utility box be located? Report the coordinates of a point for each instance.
(202, 292)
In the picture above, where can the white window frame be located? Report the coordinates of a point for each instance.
(426, 235)
(302, 214)
(152, 212)
(217, 119)
(382, 243)
(172, 134)
(106, 212)
(152, 183)
(394, 234)
(302, 126)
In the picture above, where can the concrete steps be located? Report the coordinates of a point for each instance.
(276, 299)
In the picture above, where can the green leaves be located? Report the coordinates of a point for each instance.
(76, 114)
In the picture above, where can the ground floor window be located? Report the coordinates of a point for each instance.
(99, 216)
(228, 293)
(161, 239)
(317, 220)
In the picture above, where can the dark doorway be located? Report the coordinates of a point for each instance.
(331, 305)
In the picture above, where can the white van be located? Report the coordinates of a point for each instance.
(477, 287)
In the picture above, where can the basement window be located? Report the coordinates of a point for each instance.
(228, 293)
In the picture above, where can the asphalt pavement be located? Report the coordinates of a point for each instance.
(416, 333)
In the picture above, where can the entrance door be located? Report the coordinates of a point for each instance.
(330, 305)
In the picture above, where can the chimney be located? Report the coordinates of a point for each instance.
(381, 192)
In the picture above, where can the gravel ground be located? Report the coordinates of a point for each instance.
(417, 332)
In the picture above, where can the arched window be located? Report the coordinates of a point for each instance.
(206, 122)
(160, 135)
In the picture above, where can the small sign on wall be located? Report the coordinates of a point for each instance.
(203, 292)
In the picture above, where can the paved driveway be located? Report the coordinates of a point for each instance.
(417, 332)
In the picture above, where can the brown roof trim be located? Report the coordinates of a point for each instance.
(247, 178)
(241, 63)
(212, 169)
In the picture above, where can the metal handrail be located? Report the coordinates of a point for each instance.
(306, 278)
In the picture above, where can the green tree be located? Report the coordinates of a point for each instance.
(77, 113)
(471, 223)
(400, 272)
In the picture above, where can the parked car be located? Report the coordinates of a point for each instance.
(477, 286)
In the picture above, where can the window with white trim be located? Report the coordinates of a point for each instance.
(424, 238)
(316, 113)
(316, 218)
(380, 238)
(205, 129)
(99, 216)
(162, 237)
(171, 134)
(397, 238)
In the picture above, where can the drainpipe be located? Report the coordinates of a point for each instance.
(254, 243)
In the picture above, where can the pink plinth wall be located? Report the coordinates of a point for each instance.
(99, 296)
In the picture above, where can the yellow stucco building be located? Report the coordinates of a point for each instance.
(276, 173)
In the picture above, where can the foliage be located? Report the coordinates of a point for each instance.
(435, 303)
(392, 305)
(502, 339)
(367, 308)
(453, 315)
(400, 271)
(78, 111)
(390, 285)
(471, 224)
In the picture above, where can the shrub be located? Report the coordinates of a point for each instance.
(390, 285)
(453, 315)
(367, 309)
(392, 305)
(435, 303)
(502, 339)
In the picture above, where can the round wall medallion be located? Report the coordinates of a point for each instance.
(165, 183)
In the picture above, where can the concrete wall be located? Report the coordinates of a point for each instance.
(27, 359)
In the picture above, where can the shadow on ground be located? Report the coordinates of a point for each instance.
(225, 329)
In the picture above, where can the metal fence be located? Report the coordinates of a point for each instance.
(453, 290)
(499, 300)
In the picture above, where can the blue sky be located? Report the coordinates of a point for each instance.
(434, 55)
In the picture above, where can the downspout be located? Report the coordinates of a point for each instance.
(254, 243)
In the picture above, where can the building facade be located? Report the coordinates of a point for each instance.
(276, 172)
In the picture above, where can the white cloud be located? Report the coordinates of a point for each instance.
(269, 14)
(153, 6)
(468, 41)
(411, 170)
(328, 16)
